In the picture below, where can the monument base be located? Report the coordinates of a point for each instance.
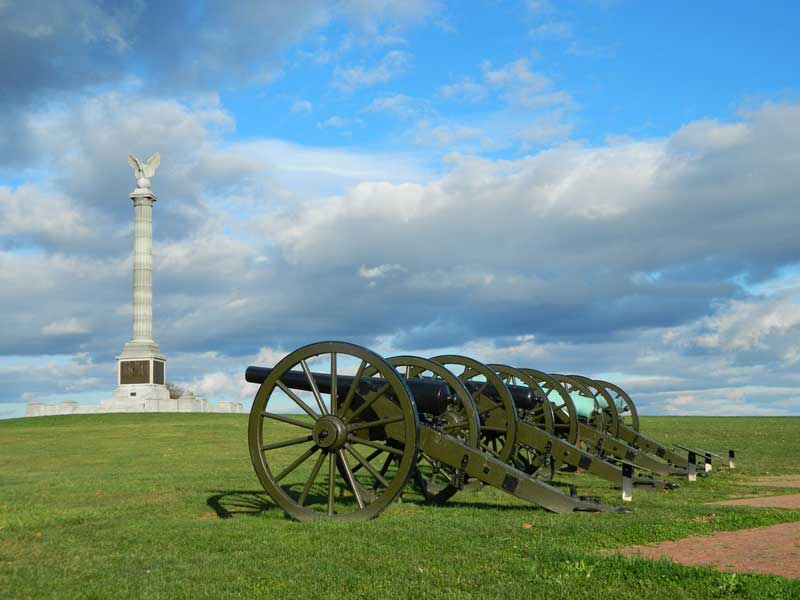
(140, 397)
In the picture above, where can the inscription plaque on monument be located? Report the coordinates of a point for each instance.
(135, 371)
(158, 372)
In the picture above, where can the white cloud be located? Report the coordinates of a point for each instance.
(379, 271)
(70, 326)
(339, 122)
(466, 89)
(302, 106)
(548, 126)
(392, 65)
(743, 325)
(554, 30)
(31, 214)
(398, 104)
(370, 14)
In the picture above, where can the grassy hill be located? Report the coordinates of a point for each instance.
(114, 506)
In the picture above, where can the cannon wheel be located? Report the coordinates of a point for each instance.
(606, 403)
(629, 415)
(527, 459)
(497, 412)
(564, 413)
(336, 432)
(438, 482)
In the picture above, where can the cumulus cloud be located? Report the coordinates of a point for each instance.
(582, 258)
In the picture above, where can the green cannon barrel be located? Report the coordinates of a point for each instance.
(583, 406)
(430, 395)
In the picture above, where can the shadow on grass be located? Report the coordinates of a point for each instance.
(230, 503)
(489, 506)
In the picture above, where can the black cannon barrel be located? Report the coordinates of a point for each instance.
(430, 395)
(524, 397)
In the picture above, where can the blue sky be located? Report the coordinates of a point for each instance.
(606, 187)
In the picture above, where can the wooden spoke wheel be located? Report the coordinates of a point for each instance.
(606, 402)
(496, 409)
(626, 409)
(437, 482)
(565, 417)
(307, 461)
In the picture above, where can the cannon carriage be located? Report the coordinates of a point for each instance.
(370, 425)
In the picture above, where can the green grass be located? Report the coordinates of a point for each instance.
(113, 506)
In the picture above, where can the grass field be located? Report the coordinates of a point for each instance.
(113, 506)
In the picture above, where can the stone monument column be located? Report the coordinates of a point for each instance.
(141, 366)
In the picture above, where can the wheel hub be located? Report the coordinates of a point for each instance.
(330, 433)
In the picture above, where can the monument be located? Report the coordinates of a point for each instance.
(141, 367)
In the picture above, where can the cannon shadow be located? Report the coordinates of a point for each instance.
(230, 503)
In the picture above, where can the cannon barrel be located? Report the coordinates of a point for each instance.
(430, 395)
(524, 397)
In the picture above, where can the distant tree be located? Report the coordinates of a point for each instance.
(175, 391)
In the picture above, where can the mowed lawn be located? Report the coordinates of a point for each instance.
(114, 506)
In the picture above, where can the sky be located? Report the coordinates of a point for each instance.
(605, 187)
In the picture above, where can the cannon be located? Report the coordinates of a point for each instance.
(599, 425)
(369, 430)
(615, 431)
(536, 441)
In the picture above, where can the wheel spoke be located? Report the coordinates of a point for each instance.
(300, 460)
(298, 401)
(284, 443)
(368, 403)
(351, 391)
(285, 419)
(334, 389)
(490, 451)
(378, 423)
(480, 390)
(386, 464)
(371, 456)
(365, 462)
(375, 445)
(314, 471)
(314, 387)
(331, 482)
(349, 477)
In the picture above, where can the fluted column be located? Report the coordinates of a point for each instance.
(143, 267)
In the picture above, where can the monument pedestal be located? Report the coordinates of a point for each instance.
(140, 379)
